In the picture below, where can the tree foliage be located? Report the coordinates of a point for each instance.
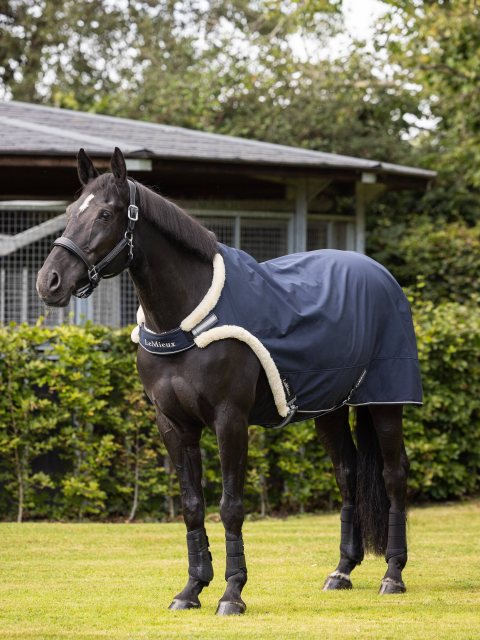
(80, 51)
(442, 259)
(260, 69)
(62, 46)
(253, 69)
(434, 48)
(443, 445)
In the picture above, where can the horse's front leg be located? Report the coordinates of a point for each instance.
(232, 434)
(184, 450)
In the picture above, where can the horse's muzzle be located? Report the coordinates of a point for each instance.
(51, 289)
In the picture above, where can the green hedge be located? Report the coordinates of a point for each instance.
(78, 438)
(443, 438)
(444, 259)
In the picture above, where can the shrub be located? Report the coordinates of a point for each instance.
(443, 258)
(443, 439)
(78, 438)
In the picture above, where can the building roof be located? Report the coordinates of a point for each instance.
(28, 129)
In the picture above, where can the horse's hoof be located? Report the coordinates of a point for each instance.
(391, 586)
(337, 580)
(230, 608)
(181, 605)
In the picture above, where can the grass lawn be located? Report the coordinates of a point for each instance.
(116, 581)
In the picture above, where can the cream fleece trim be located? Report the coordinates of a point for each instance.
(266, 360)
(140, 316)
(200, 312)
(211, 298)
(135, 335)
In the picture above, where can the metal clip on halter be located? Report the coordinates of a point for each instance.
(93, 274)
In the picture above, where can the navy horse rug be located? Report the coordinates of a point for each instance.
(329, 328)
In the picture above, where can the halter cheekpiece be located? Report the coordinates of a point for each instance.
(98, 271)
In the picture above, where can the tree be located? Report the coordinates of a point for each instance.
(252, 69)
(64, 44)
(441, 260)
(434, 48)
(87, 54)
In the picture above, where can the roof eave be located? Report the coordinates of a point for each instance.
(381, 170)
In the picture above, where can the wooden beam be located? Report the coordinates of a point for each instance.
(133, 164)
(300, 219)
(138, 164)
(256, 171)
(33, 205)
(46, 161)
(365, 193)
(233, 205)
(360, 207)
(33, 234)
(316, 187)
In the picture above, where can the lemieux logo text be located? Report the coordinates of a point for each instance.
(158, 344)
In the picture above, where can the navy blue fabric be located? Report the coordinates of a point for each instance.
(336, 323)
(162, 344)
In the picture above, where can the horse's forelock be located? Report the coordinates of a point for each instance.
(104, 185)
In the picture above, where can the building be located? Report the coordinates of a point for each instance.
(264, 198)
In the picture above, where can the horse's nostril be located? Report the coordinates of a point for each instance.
(53, 280)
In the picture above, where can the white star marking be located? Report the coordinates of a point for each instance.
(86, 202)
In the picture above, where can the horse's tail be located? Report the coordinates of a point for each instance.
(372, 501)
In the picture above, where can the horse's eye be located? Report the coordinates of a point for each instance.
(105, 215)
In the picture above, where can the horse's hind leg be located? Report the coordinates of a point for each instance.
(334, 432)
(387, 420)
(184, 450)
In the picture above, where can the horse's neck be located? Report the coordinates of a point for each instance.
(170, 281)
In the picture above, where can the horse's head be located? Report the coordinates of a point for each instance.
(99, 226)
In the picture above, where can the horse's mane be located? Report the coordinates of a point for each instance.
(178, 225)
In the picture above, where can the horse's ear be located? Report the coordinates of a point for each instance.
(86, 170)
(119, 168)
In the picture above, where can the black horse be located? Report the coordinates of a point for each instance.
(115, 224)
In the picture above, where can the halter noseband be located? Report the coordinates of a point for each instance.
(96, 272)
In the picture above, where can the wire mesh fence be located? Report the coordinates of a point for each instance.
(27, 231)
(20, 260)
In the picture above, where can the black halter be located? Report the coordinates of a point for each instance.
(98, 271)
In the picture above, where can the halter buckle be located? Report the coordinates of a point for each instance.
(133, 212)
(93, 274)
